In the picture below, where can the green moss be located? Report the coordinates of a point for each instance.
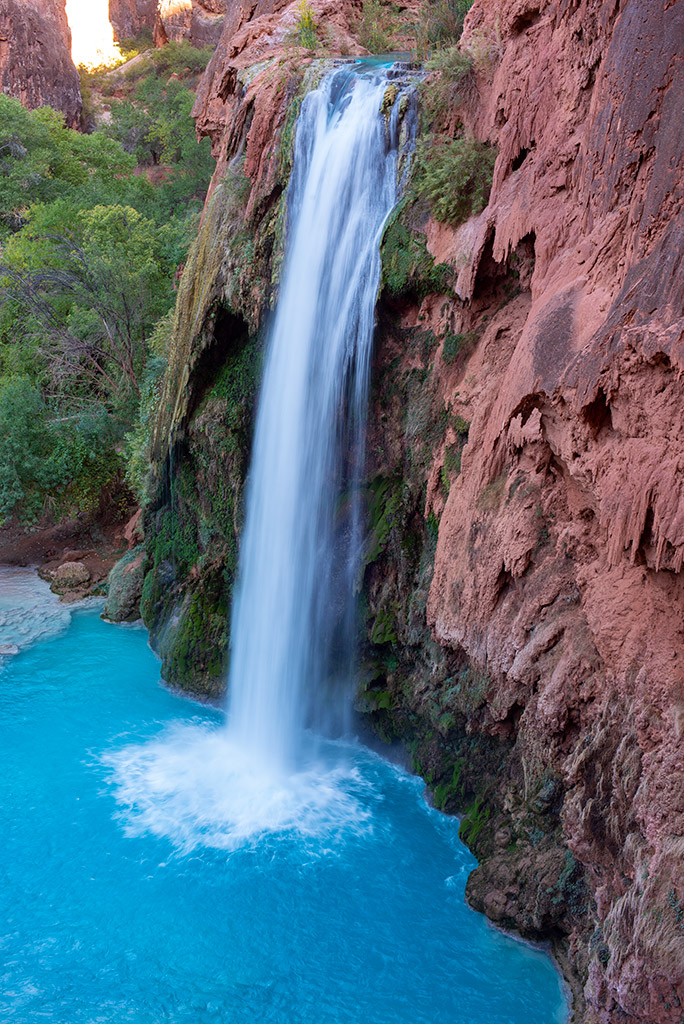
(151, 599)
(452, 344)
(454, 176)
(407, 266)
(474, 822)
(384, 502)
(384, 629)
(451, 790)
(197, 645)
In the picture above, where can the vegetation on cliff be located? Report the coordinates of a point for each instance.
(93, 228)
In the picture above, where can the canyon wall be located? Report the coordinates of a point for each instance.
(129, 17)
(35, 56)
(522, 592)
(199, 21)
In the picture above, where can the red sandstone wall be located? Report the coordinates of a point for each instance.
(35, 56)
(560, 549)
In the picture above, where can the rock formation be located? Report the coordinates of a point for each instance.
(199, 21)
(525, 465)
(558, 563)
(130, 17)
(35, 56)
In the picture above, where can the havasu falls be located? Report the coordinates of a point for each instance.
(254, 871)
(341, 361)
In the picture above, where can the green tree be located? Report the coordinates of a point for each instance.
(93, 300)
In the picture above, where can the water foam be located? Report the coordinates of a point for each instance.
(196, 787)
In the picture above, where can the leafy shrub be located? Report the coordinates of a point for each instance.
(373, 32)
(305, 33)
(484, 47)
(137, 44)
(63, 463)
(41, 161)
(455, 176)
(450, 82)
(441, 24)
(181, 58)
(451, 63)
(90, 249)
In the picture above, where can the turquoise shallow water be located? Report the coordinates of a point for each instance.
(142, 880)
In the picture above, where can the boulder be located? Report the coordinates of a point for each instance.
(69, 575)
(125, 587)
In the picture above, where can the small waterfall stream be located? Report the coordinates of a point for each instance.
(293, 615)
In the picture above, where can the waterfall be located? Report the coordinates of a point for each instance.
(293, 616)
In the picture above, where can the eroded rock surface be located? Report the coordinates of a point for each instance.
(35, 56)
(560, 548)
(198, 21)
(129, 17)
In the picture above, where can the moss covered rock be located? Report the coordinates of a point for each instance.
(124, 587)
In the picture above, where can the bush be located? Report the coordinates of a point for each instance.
(455, 176)
(441, 24)
(62, 463)
(373, 32)
(451, 64)
(450, 82)
(180, 58)
(305, 33)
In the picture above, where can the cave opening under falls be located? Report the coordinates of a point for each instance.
(170, 866)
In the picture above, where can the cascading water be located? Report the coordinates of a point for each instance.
(293, 614)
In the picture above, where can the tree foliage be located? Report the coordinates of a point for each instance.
(93, 228)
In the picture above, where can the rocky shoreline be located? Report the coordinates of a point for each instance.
(75, 557)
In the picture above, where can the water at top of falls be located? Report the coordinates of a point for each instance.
(293, 615)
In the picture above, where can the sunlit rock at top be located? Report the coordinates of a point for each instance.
(92, 37)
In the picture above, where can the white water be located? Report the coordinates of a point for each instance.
(293, 613)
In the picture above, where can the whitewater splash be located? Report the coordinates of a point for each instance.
(293, 616)
(195, 787)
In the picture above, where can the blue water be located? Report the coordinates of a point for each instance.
(124, 896)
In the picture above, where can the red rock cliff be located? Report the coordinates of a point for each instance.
(199, 21)
(129, 17)
(559, 558)
(35, 56)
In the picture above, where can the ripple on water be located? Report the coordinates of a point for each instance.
(29, 611)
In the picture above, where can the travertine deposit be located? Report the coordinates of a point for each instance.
(558, 563)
